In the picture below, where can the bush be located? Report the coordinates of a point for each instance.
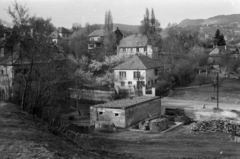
(162, 86)
(201, 79)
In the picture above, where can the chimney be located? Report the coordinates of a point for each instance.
(31, 32)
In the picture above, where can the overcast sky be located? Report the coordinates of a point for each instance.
(66, 12)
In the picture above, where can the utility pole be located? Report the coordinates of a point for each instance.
(217, 90)
(138, 84)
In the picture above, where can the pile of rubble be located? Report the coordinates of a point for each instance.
(217, 125)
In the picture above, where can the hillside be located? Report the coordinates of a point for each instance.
(229, 25)
(127, 28)
(189, 22)
(216, 20)
(23, 136)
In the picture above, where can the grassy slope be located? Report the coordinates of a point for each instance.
(229, 92)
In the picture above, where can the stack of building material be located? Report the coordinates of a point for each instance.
(217, 125)
(158, 125)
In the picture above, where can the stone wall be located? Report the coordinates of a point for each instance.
(141, 111)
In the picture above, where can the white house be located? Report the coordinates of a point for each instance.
(136, 44)
(137, 69)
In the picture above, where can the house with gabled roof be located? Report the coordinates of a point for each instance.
(97, 38)
(137, 70)
(60, 34)
(137, 44)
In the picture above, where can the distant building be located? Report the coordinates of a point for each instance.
(215, 55)
(11, 62)
(139, 69)
(98, 37)
(137, 44)
(60, 34)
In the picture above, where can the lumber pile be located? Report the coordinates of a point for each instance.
(217, 125)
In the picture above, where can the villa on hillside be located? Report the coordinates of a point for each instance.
(98, 37)
(137, 70)
(137, 44)
(218, 51)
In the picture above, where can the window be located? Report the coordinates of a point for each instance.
(101, 113)
(129, 82)
(2, 72)
(122, 83)
(156, 72)
(116, 114)
(136, 74)
(122, 74)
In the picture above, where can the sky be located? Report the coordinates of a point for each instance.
(66, 12)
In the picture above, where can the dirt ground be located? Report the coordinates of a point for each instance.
(180, 142)
(24, 137)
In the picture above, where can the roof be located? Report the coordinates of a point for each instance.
(140, 62)
(64, 30)
(125, 103)
(54, 35)
(138, 40)
(219, 50)
(100, 32)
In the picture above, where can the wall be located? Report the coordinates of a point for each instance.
(116, 116)
(129, 77)
(94, 95)
(5, 81)
(142, 111)
(150, 75)
(133, 51)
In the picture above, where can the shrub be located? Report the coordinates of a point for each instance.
(162, 86)
(201, 79)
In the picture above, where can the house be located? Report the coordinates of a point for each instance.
(60, 34)
(98, 37)
(215, 55)
(137, 70)
(137, 44)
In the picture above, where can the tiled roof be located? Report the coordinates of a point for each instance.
(100, 32)
(64, 30)
(140, 62)
(54, 35)
(138, 40)
(219, 51)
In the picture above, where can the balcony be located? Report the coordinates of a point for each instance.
(96, 40)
